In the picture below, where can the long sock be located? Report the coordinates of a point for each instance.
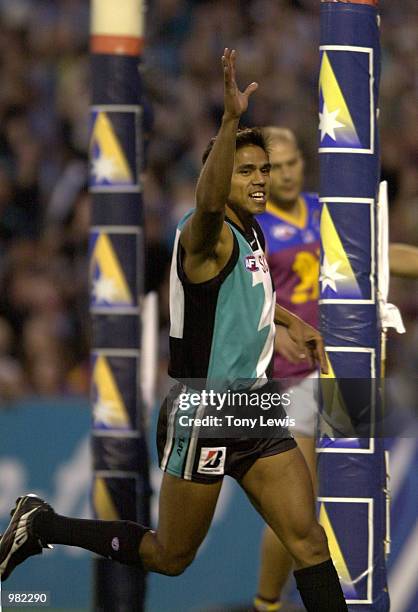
(118, 540)
(320, 588)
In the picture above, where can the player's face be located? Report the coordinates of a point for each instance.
(250, 180)
(286, 174)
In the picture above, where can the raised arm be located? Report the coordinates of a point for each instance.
(201, 236)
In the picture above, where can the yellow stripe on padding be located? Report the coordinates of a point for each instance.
(103, 502)
(334, 548)
(109, 408)
(336, 258)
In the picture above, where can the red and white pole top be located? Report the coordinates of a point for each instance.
(117, 28)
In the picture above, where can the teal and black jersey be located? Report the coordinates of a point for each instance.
(222, 330)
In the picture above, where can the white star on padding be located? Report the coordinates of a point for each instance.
(103, 168)
(329, 274)
(328, 122)
(103, 411)
(104, 289)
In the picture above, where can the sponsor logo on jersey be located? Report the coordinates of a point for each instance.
(308, 236)
(283, 232)
(212, 460)
(251, 263)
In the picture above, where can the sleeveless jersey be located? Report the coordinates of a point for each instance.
(222, 330)
(293, 256)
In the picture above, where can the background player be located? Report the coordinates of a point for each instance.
(291, 228)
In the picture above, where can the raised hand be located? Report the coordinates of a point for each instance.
(235, 101)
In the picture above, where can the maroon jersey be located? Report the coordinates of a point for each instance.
(292, 247)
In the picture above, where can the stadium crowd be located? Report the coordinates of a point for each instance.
(44, 140)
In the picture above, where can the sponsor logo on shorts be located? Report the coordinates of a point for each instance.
(212, 460)
(115, 544)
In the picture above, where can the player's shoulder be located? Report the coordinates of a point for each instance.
(269, 217)
(183, 220)
(313, 211)
(311, 198)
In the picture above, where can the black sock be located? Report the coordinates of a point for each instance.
(118, 540)
(320, 588)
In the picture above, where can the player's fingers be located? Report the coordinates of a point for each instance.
(311, 355)
(300, 344)
(225, 62)
(321, 355)
(293, 351)
(250, 89)
(291, 356)
(232, 59)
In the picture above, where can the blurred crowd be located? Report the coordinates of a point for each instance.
(44, 140)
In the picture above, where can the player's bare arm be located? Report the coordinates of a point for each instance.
(403, 260)
(307, 338)
(206, 239)
(285, 346)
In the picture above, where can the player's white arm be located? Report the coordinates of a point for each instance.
(202, 233)
(308, 339)
(403, 260)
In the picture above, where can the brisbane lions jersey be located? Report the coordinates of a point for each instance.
(292, 247)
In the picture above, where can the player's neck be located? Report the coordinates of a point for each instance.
(292, 208)
(243, 220)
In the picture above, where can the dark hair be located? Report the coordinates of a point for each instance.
(245, 136)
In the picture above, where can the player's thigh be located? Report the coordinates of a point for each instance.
(280, 487)
(307, 447)
(185, 513)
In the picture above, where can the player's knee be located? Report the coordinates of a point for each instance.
(174, 565)
(318, 540)
(312, 548)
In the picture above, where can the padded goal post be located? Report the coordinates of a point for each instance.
(352, 469)
(121, 483)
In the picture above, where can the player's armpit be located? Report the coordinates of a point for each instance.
(203, 261)
(202, 233)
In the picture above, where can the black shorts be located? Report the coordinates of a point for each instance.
(185, 452)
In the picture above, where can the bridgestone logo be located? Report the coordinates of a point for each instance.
(212, 460)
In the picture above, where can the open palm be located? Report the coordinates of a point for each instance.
(235, 101)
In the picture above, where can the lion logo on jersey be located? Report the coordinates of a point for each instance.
(306, 266)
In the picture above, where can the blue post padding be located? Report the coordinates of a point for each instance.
(119, 130)
(352, 469)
